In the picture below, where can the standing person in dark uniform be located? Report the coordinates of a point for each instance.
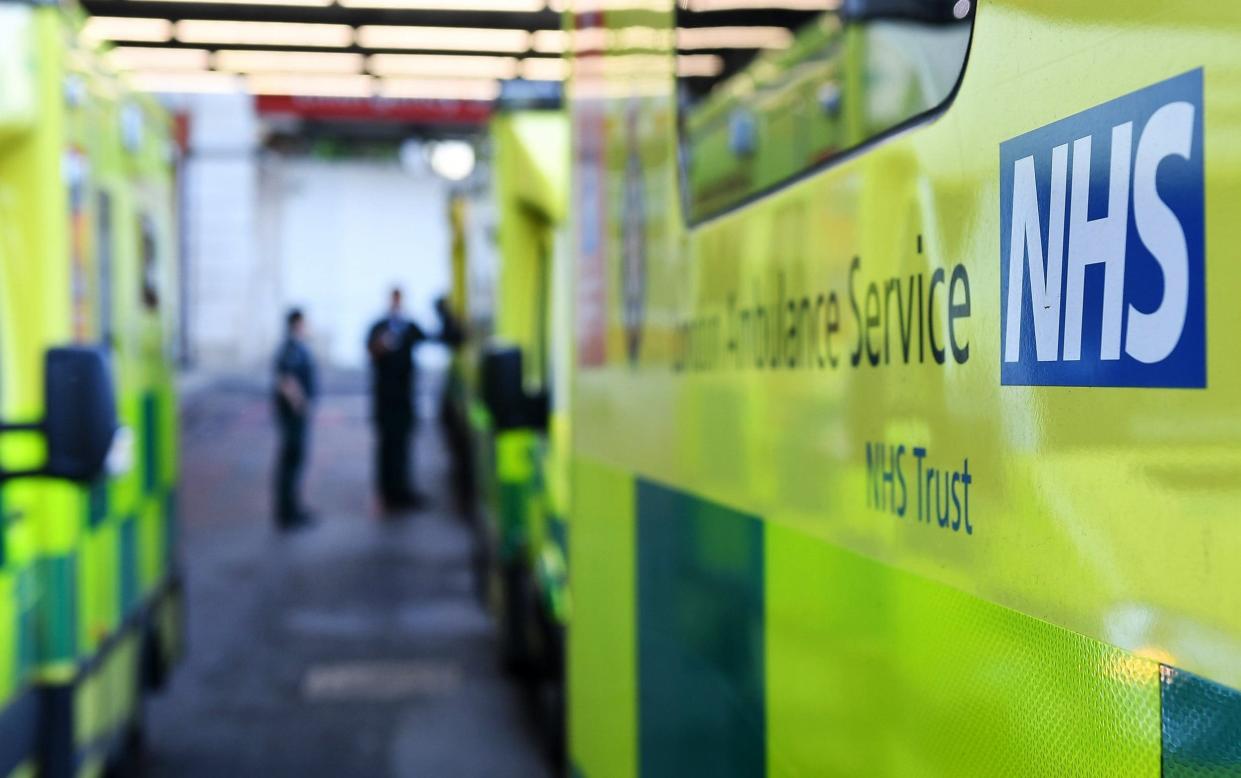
(391, 342)
(295, 390)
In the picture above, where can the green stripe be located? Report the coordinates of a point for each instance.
(1201, 726)
(514, 497)
(58, 617)
(701, 671)
(151, 442)
(96, 503)
(27, 621)
(127, 578)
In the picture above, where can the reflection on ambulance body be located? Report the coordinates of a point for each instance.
(871, 628)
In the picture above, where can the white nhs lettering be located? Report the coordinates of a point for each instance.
(1149, 336)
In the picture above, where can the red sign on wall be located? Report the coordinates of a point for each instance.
(377, 109)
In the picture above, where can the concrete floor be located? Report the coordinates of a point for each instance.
(356, 648)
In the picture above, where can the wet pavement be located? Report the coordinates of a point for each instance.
(358, 647)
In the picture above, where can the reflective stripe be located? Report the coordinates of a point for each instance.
(151, 443)
(96, 503)
(58, 608)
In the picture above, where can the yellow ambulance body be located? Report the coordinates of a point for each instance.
(83, 164)
(516, 313)
(905, 433)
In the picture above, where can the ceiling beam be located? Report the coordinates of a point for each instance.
(335, 14)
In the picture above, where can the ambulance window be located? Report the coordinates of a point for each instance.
(104, 226)
(150, 264)
(771, 92)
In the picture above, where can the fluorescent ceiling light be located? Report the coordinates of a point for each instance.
(590, 39)
(439, 89)
(445, 38)
(734, 38)
(512, 6)
(700, 6)
(111, 28)
(181, 82)
(550, 41)
(151, 58)
(317, 3)
(265, 33)
(442, 66)
(705, 65)
(311, 86)
(638, 37)
(544, 69)
(338, 62)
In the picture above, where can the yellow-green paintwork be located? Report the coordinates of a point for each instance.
(18, 393)
(146, 331)
(530, 181)
(66, 124)
(528, 495)
(602, 671)
(1105, 538)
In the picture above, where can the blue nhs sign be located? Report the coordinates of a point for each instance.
(1102, 268)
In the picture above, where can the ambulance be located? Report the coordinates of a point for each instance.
(88, 283)
(905, 394)
(514, 297)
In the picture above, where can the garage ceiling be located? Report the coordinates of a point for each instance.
(412, 49)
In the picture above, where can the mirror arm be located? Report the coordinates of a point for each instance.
(30, 426)
(10, 475)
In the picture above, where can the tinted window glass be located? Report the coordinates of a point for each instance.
(150, 263)
(778, 90)
(104, 239)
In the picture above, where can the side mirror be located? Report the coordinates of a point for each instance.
(538, 410)
(504, 391)
(81, 421)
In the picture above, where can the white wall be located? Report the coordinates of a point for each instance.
(227, 279)
(344, 233)
(265, 232)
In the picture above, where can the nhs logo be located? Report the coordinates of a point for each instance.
(1102, 243)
